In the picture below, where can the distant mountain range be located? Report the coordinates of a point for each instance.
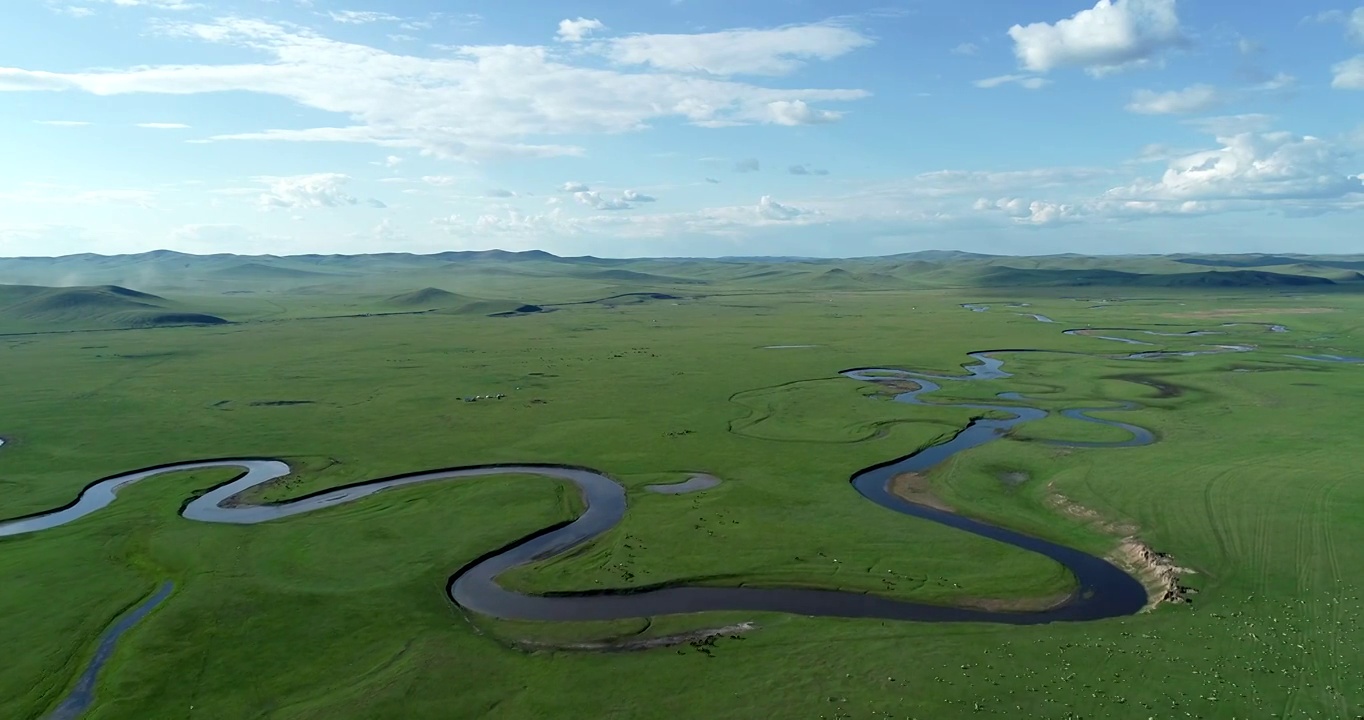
(92, 291)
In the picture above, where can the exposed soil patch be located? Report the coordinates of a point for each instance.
(1157, 571)
(1235, 312)
(915, 488)
(1014, 478)
(280, 403)
(696, 638)
(1091, 516)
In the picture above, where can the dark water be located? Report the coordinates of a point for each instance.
(83, 695)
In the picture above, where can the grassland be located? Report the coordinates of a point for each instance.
(1254, 486)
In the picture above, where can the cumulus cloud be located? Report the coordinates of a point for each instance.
(576, 30)
(597, 201)
(965, 48)
(773, 210)
(306, 191)
(1349, 75)
(776, 51)
(392, 161)
(1029, 82)
(747, 165)
(376, 203)
(474, 102)
(1036, 212)
(1274, 165)
(1195, 98)
(797, 112)
(1296, 175)
(636, 197)
(573, 186)
(806, 170)
(1112, 35)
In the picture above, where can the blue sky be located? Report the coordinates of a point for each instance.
(681, 127)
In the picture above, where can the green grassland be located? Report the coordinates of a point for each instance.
(352, 370)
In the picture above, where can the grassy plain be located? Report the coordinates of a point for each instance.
(1254, 486)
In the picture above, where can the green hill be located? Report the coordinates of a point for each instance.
(427, 297)
(1003, 276)
(620, 275)
(37, 308)
(262, 271)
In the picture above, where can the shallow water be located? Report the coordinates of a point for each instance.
(83, 695)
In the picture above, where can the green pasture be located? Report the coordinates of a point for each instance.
(1255, 486)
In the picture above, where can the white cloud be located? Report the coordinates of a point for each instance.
(1195, 98)
(63, 123)
(155, 4)
(499, 193)
(776, 51)
(1295, 175)
(1349, 75)
(965, 48)
(1030, 82)
(574, 187)
(773, 210)
(596, 201)
(306, 191)
(1252, 166)
(1280, 81)
(796, 112)
(636, 197)
(1035, 212)
(162, 126)
(576, 30)
(440, 180)
(1113, 35)
(361, 17)
(477, 102)
(392, 161)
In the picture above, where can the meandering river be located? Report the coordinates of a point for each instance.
(1103, 590)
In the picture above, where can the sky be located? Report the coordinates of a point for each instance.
(681, 127)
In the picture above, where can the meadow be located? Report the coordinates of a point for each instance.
(1254, 487)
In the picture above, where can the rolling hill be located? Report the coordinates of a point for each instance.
(39, 308)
